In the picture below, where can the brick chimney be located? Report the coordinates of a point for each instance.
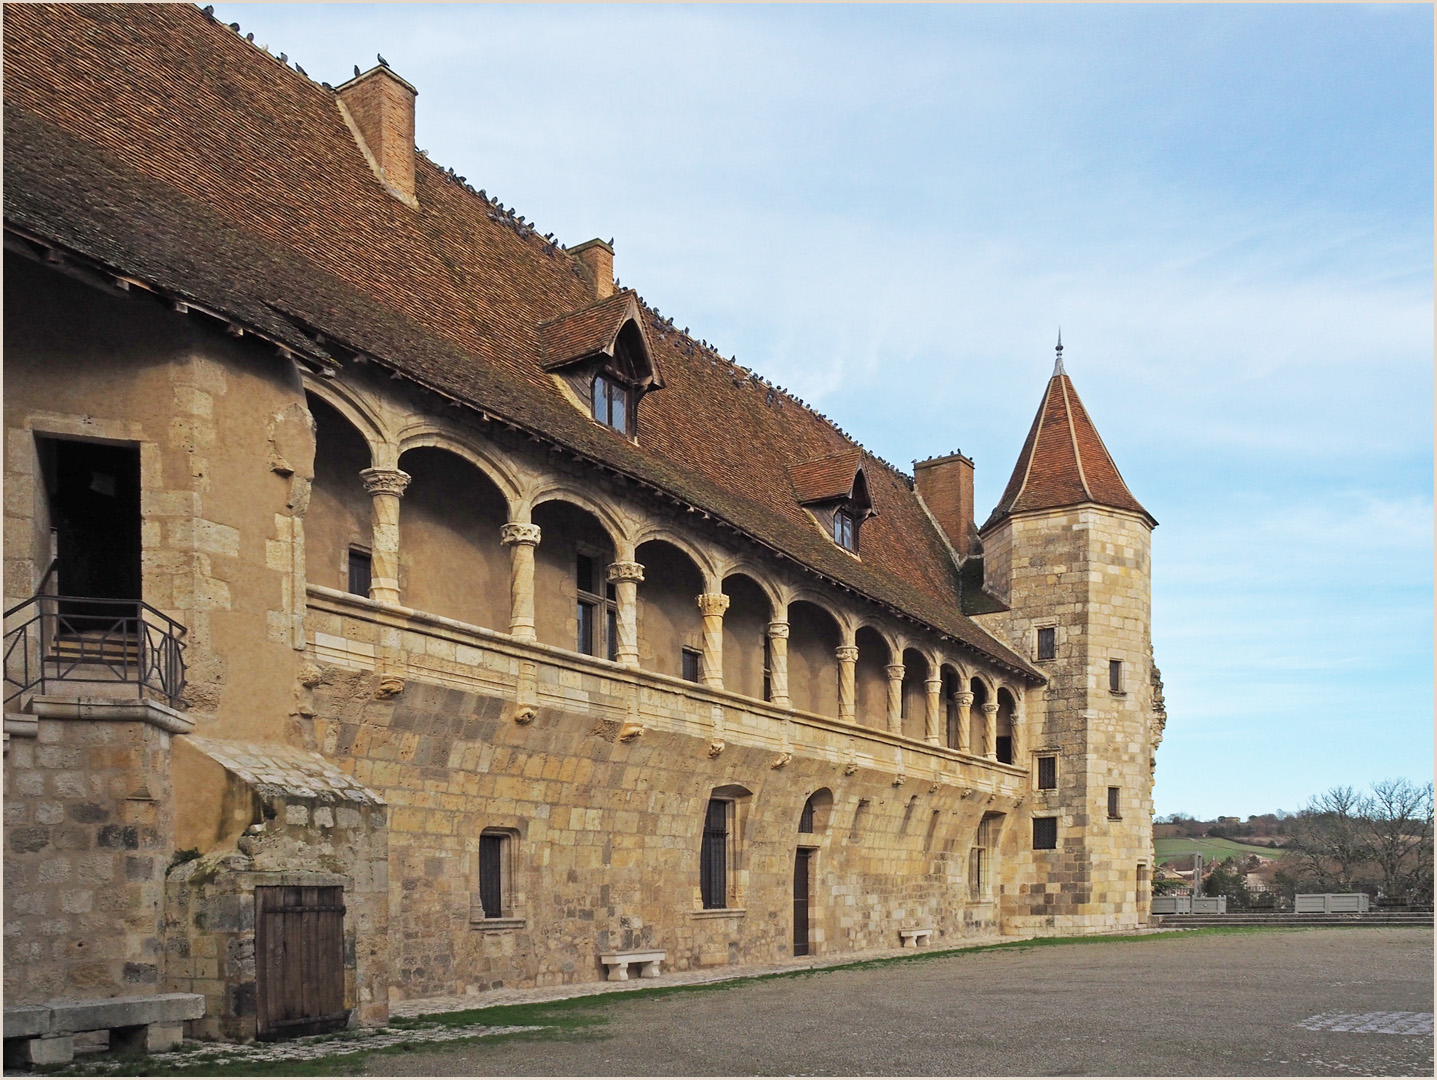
(378, 106)
(945, 484)
(598, 259)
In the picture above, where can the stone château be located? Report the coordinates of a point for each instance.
(397, 607)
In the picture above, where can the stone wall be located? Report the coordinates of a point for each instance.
(602, 784)
(89, 830)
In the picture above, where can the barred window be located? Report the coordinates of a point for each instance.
(1045, 833)
(1047, 773)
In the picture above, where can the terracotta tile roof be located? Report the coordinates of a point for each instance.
(828, 477)
(163, 146)
(1063, 461)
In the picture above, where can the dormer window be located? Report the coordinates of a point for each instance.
(600, 358)
(613, 403)
(834, 490)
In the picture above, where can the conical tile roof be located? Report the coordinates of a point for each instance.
(1064, 461)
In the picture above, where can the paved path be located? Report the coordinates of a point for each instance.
(1348, 1002)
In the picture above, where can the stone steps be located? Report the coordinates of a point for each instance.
(1372, 918)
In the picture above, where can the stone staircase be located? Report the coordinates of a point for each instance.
(1371, 918)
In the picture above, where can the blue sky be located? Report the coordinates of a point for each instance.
(890, 210)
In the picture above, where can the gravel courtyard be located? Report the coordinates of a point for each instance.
(1349, 1002)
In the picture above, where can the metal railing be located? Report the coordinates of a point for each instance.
(82, 639)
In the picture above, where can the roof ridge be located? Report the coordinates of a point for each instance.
(1073, 431)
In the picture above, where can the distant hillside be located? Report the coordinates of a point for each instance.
(1212, 849)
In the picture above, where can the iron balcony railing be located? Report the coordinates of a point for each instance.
(80, 639)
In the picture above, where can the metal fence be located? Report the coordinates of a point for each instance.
(81, 639)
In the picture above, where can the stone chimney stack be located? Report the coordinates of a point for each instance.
(378, 106)
(598, 259)
(945, 484)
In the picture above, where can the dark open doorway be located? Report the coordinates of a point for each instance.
(801, 867)
(94, 496)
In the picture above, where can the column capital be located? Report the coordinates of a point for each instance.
(384, 481)
(712, 603)
(848, 653)
(778, 629)
(990, 707)
(964, 698)
(895, 672)
(626, 571)
(519, 532)
(933, 683)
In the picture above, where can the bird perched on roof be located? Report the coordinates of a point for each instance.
(326, 86)
(209, 10)
(382, 62)
(356, 71)
(301, 71)
(235, 27)
(284, 58)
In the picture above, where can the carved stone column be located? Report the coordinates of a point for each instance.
(847, 662)
(385, 487)
(964, 701)
(932, 718)
(626, 577)
(990, 729)
(1018, 739)
(778, 664)
(713, 605)
(521, 538)
(895, 698)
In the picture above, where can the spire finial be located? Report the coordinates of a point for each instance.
(1058, 364)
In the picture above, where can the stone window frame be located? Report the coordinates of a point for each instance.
(1117, 677)
(1038, 778)
(737, 801)
(511, 901)
(1115, 809)
(1038, 630)
(691, 664)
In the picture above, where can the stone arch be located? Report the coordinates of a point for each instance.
(362, 416)
(574, 603)
(338, 523)
(870, 677)
(451, 560)
(841, 618)
(813, 635)
(499, 470)
(702, 559)
(916, 670)
(670, 622)
(745, 636)
(552, 490)
(728, 567)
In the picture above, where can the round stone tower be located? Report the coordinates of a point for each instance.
(1067, 550)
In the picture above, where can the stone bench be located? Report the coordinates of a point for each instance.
(142, 1023)
(914, 938)
(618, 963)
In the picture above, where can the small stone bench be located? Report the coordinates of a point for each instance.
(618, 963)
(142, 1023)
(914, 938)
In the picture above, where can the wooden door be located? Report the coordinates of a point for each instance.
(299, 960)
(800, 901)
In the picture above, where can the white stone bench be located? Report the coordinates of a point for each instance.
(618, 963)
(914, 938)
(142, 1023)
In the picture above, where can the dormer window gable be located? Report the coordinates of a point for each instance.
(834, 491)
(601, 355)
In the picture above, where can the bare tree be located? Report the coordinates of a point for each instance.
(1398, 819)
(1330, 839)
